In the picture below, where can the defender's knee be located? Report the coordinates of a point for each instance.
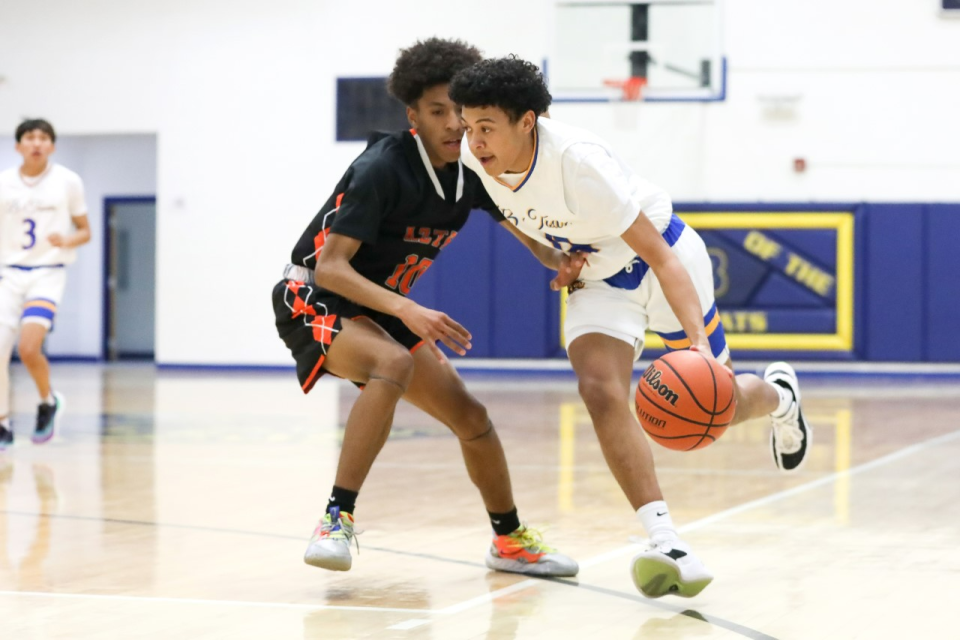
(395, 366)
(473, 423)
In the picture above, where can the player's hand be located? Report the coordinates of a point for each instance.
(435, 326)
(708, 352)
(56, 240)
(569, 270)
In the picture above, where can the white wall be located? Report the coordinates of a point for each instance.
(240, 95)
(874, 88)
(111, 166)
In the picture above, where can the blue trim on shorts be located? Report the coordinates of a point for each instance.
(680, 335)
(632, 275)
(39, 266)
(716, 337)
(718, 341)
(39, 312)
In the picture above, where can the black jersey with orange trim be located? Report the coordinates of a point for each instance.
(402, 210)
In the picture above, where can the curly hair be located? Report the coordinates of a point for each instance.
(426, 64)
(510, 83)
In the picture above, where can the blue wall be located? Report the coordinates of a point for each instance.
(907, 297)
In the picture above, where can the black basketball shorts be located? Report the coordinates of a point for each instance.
(309, 320)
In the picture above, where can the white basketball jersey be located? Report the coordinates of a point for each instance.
(33, 208)
(576, 196)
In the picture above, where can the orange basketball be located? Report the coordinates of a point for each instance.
(685, 400)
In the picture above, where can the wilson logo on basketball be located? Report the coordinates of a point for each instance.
(652, 377)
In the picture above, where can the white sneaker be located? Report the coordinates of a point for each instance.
(791, 436)
(669, 567)
(329, 547)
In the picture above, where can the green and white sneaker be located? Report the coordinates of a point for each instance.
(329, 547)
(669, 567)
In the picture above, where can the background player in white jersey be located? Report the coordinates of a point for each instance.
(574, 204)
(43, 218)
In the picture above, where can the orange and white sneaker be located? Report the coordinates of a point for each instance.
(524, 551)
(329, 547)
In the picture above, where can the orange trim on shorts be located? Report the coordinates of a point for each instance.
(43, 304)
(414, 348)
(685, 342)
(313, 374)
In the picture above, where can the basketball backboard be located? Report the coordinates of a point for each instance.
(674, 48)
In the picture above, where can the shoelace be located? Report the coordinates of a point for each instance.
(649, 544)
(532, 539)
(350, 535)
(789, 436)
(44, 411)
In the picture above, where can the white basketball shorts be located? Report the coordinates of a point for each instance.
(599, 307)
(30, 295)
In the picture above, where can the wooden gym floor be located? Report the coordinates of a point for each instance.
(178, 505)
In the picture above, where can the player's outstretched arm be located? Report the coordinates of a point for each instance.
(335, 273)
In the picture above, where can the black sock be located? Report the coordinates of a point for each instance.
(343, 498)
(504, 523)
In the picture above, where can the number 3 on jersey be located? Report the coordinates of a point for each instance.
(31, 228)
(407, 273)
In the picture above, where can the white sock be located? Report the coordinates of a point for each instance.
(656, 520)
(5, 423)
(786, 399)
(49, 399)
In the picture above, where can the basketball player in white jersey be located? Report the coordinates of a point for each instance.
(577, 207)
(43, 218)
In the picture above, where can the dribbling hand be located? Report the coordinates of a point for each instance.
(708, 352)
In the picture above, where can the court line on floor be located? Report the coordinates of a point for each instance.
(786, 493)
(729, 625)
(703, 522)
(524, 584)
(243, 603)
(259, 534)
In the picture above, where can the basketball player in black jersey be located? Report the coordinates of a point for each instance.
(342, 307)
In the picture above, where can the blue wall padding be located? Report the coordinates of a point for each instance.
(941, 290)
(907, 300)
(521, 298)
(893, 275)
(460, 284)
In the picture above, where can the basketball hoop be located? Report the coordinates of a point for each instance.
(632, 87)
